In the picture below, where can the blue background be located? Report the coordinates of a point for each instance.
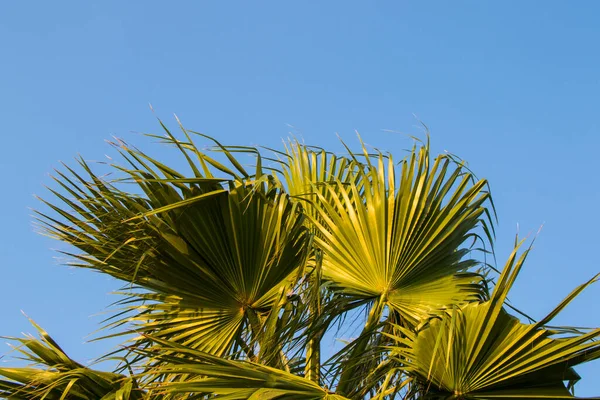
(512, 87)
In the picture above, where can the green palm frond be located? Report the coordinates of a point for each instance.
(55, 376)
(234, 279)
(479, 351)
(193, 372)
(209, 253)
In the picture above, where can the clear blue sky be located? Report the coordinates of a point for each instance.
(513, 87)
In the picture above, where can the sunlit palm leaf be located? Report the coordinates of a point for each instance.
(479, 351)
(306, 169)
(404, 241)
(233, 277)
(55, 376)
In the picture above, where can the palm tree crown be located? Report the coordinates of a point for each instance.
(234, 277)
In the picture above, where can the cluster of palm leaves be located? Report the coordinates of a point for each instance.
(234, 278)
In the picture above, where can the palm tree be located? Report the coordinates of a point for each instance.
(233, 279)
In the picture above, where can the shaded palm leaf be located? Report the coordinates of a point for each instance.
(202, 373)
(209, 256)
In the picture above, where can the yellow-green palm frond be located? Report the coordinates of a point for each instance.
(55, 376)
(404, 238)
(479, 351)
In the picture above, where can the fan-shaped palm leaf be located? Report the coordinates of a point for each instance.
(404, 242)
(479, 351)
(212, 255)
